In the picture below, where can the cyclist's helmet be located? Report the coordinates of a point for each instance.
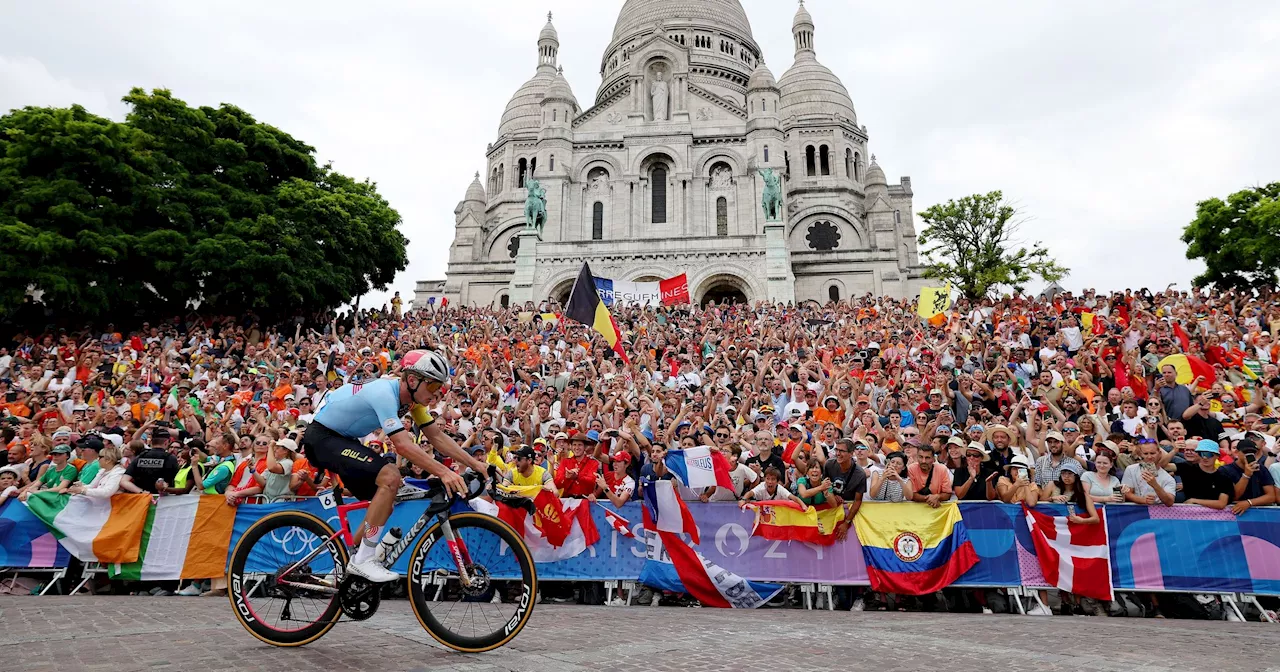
(427, 365)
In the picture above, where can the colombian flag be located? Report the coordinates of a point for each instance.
(912, 549)
(784, 520)
(586, 307)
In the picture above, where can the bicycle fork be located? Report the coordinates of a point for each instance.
(458, 549)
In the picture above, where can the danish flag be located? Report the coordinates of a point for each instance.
(1074, 557)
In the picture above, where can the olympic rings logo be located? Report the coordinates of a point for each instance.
(304, 541)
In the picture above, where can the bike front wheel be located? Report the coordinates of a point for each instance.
(284, 576)
(493, 603)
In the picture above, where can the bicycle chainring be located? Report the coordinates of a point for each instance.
(359, 597)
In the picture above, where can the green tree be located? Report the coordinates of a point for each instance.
(178, 205)
(971, 243)
(1239, 240)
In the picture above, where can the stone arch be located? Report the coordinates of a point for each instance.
(847, 237)
(499, 235)
(644, 158)
(721, 283)
(735, 161)
(559, 290)
(831, 211)
(838, 285)
(599, 160)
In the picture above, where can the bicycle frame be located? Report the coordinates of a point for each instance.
(457, 548)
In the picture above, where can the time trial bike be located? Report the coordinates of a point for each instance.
(473, 593)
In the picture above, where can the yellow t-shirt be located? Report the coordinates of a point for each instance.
(534, 478)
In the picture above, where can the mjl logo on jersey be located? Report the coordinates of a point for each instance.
(356, 455)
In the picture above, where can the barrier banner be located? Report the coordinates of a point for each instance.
(25, 541)
(1195, 549)
(1181, 548)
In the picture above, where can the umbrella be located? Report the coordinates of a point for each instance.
(1188, 368)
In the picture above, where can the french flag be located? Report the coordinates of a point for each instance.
(672, 565)
(664, 510)
(700, 467)
(1073, 557)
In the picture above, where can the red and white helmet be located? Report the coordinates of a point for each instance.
(426, 364)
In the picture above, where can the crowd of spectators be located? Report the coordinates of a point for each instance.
(1022, 399)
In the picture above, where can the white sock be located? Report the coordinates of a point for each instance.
(368, 545)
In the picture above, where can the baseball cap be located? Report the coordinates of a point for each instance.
(561, 435)
(64, 448)
(90, 442)
(288, 444)
(524, 451)
(622, 456)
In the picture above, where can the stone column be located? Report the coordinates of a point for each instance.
(782, 282)
(521, 288)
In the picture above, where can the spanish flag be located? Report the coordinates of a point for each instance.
(912, 549)
(784, 520)
(586, 307)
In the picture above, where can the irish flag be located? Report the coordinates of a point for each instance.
(182, 537)
(94, 529)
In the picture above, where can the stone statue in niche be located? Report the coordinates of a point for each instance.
(658, 94)
(721, 177)
(596, 181)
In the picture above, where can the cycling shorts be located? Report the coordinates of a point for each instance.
(355, 463)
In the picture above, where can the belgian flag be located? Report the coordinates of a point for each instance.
(586, 307)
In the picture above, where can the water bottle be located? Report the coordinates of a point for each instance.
(389, 540)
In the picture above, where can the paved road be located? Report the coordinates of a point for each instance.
(119, 634)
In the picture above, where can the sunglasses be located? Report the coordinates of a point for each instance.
(721, 435)
(910, 434)
(1070, 431)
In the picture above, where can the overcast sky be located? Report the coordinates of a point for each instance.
(1105, 121)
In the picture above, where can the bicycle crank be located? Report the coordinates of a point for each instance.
(359, 597)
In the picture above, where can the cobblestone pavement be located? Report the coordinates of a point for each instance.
(118, 634)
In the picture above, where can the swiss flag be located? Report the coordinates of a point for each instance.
(1073, 557)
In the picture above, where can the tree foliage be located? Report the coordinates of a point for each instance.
(972, 244)
(180, 205)
(1239, 240)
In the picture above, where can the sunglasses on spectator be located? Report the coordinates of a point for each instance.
(1070, 430)
(721, 435)
(910, 434)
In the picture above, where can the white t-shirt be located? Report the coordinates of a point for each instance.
(741, 475)
(760, 493)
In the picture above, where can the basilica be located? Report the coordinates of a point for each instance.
(663, 174)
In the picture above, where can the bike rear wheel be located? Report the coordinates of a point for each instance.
(278, 602)
(466, 618)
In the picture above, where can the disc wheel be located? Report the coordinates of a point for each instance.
(275, 601)
(466, 617)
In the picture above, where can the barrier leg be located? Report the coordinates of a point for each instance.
(1229, 600)
(609, 587)
(631, 590)
(1248, 598)
(53, 579)
(807, 590)
(1015, 596)
(826, 589)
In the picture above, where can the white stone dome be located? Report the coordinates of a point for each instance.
(475, 192)
(638, 15)
(549, 31)
(875, 180)
(560, 90)
(762, 79)
(810, 88)
(524, 110)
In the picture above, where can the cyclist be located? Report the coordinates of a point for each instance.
(332, 442)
